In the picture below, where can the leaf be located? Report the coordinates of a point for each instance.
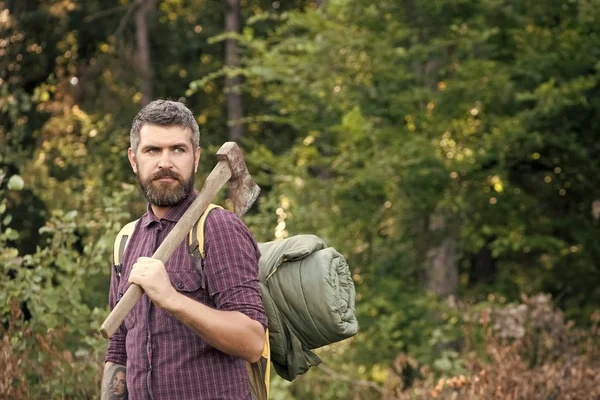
(11, 234)
(16, 183)
(71, 215)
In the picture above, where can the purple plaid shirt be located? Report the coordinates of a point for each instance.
(164, 358)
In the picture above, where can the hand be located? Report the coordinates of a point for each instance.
(152, 276)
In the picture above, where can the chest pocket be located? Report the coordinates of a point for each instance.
(189, 283)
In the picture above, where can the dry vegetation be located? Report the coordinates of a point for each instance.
(531, 352)
(39, 366)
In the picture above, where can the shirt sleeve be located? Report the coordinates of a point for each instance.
(231, 265)
(116, 344)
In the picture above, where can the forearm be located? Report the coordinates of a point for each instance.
(229, 331)
(107, 388)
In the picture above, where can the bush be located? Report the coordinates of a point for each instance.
(531, 352)
(51, 308)
(40, 366)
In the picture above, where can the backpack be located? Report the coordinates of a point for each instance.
(259, 372)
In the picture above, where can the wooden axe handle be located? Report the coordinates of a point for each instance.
(217, 178)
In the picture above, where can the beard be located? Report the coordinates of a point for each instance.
(166, 194)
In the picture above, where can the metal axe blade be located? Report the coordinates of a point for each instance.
(244, 191)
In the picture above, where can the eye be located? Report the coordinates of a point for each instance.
(179, 150)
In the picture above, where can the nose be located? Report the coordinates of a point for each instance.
(165, 161)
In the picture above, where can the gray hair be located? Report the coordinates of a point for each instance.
(164, 113)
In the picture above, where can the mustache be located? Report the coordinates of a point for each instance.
(166, 173)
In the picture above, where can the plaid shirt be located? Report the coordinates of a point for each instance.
(164, 358)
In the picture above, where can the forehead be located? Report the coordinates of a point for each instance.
(164, 135)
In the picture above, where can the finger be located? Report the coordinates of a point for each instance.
(138, 273)
(133, 278)
(138, 267)
(137, 278)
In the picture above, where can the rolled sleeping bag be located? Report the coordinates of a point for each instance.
(308, 294)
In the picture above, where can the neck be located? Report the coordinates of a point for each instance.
(160, 212)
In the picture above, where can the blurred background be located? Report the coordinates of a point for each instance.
(448, 148)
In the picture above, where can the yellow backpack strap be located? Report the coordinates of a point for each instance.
(259, 372)
(120, 244)
(196, 235)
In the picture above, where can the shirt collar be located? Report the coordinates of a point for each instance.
(174, 213)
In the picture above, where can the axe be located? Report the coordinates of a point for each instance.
(244, 191)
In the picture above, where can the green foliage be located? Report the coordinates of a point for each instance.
(56, 342)
(448, 122)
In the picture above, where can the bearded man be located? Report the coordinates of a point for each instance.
(189, 336)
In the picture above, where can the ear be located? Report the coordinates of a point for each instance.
(131, 156)
(197, 158)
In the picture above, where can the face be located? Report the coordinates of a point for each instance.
(119, 382)
(165, 163)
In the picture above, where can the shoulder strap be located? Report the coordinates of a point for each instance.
(120, 243)
(196, 235)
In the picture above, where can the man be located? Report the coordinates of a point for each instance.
(189, 337)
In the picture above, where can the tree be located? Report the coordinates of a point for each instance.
(234, 97)
(144, 8)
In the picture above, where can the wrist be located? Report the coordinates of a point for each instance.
(172, 302)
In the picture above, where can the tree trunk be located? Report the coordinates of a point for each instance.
(232, 84)
(441, 261)
(143, 49)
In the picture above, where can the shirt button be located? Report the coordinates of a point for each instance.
(180, 285)
(149, 367)
(120, 294)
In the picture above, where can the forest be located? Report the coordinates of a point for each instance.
(447, 148)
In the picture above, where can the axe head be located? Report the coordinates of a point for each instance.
(244, 190)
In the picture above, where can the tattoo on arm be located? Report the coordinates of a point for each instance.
(113, 382)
